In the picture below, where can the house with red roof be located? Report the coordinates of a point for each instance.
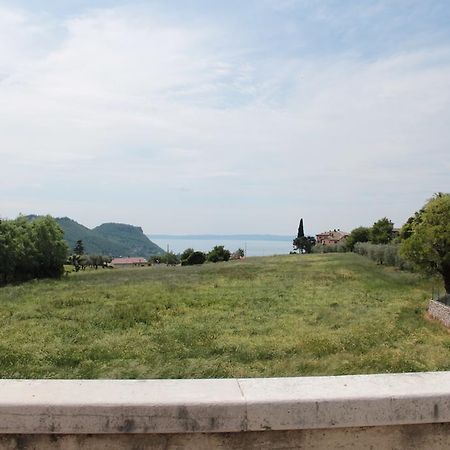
(331, 237)
(129, 262)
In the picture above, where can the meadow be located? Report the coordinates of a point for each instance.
(293, 315)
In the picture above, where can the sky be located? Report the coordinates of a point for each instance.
(224, 117)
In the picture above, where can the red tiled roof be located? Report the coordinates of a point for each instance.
(128, 261)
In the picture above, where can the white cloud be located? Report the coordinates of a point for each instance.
(119, 95)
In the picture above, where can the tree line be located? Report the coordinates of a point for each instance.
(31, 249)
(190, 257)
(422, 243)
(79, 260)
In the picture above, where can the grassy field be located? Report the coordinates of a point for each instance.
(274, 316)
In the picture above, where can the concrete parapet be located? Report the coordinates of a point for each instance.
(262, 413)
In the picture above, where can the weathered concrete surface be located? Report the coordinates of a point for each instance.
(407, 437)
(346, 401)
(208, 406)
(120, 406)
(439, 311)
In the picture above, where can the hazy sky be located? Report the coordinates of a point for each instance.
(224, 116)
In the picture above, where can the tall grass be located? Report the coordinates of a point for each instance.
(274, 316)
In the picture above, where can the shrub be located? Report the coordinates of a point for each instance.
(169, 258)
(340, 247)
(388, 254)
(218, 253)
(194, 258)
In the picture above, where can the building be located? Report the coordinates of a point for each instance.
(331, 237)
(128, 262)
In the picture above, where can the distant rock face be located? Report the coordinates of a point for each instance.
(112, 239)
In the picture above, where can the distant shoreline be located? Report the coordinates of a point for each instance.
(225, 237)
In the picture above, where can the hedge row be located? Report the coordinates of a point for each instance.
(387, 254)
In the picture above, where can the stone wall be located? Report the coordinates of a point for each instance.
(401, 411)
(439, 311)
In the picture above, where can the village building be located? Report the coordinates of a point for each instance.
(331, 237)
(128, 262)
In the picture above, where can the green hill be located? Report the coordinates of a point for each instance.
(114, 239)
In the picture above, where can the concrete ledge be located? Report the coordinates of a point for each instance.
(221, 406)
(407, 437)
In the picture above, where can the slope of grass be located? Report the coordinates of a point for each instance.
(275, 316)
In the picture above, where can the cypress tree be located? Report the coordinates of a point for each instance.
(300, 233)
(79, 248)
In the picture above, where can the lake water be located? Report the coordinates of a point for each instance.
(254, 247)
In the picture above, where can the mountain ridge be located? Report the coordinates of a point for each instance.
(111, 239)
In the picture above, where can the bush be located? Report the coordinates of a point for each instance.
(168, 258)
(218, 253)
(341, 247)
(185, 255)
(359, 234)
(194, 258)
(387, 254)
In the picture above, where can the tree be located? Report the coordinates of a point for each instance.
(49, 247)
(96, 260)
(75, 261)
(31, 249)
(359, 234)
(84, 261)
(382, 231)
(8, 250)
(185, 255)
(300, 232)
(26, 264)
(79, 248)
(170, 258)
(194, 258)
(218, 253)
(428, 243)
(302, 243)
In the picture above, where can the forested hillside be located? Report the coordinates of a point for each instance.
(114, 239)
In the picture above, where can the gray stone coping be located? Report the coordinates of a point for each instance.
(222, 405)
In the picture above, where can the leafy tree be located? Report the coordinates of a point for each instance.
(359, 234)
(49, 247)
(407, 229)
(31, 249)
(218, 253)
(428, 243)
(185, 255)
(26, 261)
(8, 250)
(169, 258)
(79, 248)
(304, 244)
(382, 231)
(96, 260)
(194, 258)
(84, 261)
(75, 261)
